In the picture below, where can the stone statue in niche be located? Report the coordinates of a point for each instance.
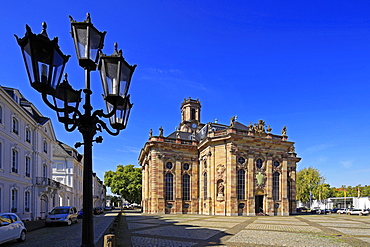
(220, 191)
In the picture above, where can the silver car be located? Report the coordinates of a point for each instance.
(11, 228)
(65, 215)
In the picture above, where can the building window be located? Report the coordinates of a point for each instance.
(186, 166)
(1, 199)
(28, 135)
(186, 187)
(169, 165)
(27, 201)
(45, 147)
(259, 163)
(169, 186)
(15, 126)
(14, 201)
(14, 161)
(28, 166)
(241, 185)
(1, 115)
(205, 187)
(241, 160)
(1, 155)
(275, 186)
(45, 171)
(276, 163)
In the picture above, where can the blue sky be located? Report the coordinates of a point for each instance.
(300, 64)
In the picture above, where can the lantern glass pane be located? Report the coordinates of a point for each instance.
(95, 42)
(82, 42)
(28, 61)
(112, 79)
(124, 78)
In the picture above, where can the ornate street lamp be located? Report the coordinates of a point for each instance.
(44, 60)
(45, 64)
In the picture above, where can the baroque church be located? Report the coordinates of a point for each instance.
(217, 169)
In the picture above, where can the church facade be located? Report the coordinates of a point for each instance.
(218, 169)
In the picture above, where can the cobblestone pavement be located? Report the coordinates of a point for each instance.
(138, 229)
(65, 236)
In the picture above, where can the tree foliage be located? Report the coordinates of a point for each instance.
(126, 182)
(309, 180)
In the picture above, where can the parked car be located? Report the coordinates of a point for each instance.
(62, 215)
(302, 209)
(80, 214)
(334, 210)
(356, 211)
(341, 211)
(11, 228)
(98, 210)
(323, 211)
(108, 208)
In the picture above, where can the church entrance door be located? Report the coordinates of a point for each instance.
(258, 204)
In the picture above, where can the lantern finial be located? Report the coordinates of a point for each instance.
(44, 26)
(88, 18)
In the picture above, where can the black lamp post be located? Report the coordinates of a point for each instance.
(45, 65)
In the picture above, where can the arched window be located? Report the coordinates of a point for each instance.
(1, 155)
(45, 147)
(241, 185)
(15, 126)
(186, 187)
(45, 171)
(276, 163)
(205, 185)
(1, 114)
(169, 186)
(28, 166)
(27, 201)
(14, 200)
(275, 186)
(28, 135)
(259, 163)
(14, 161)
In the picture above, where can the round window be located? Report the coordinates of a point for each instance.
(169, 165)
(241, 160)
(186, 166)
(259, 163)
(276, 163)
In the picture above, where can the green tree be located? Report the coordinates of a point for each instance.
(309, 180)
(126, 182)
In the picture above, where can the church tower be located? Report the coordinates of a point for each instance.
(190, 115)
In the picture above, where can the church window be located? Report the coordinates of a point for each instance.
(259, 163)
(169, 165)
(241, 185)
(241, 160)
(276, 163)
(275, 186)
(186, 166)
(205, 186)
(186, 187)
(169, 186)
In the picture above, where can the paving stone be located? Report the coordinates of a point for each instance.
(353, 231)
(155, 242)
(272, 238)
(286, 228)
(181, 231)
(281, 222)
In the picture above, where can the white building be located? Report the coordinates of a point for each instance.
(68, 170)
(99, 192)
(339, 202)
(26, 141)
(33, 177)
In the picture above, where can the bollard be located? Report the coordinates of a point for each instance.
(109, 240)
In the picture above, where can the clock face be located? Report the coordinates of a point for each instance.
(193, 125)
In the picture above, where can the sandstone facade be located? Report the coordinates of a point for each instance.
(217, 169)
